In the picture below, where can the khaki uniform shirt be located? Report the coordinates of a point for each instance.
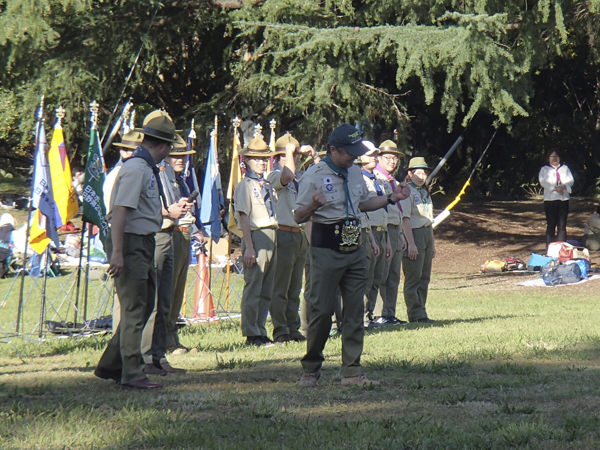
(286, 199)
(248, 199)
(320, 176)
(377, 218)
(136, 188)
(394, 217)
(418, 208)
(188, 220)
(109, 183)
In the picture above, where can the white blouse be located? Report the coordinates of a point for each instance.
(549, 180)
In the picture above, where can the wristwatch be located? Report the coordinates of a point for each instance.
(389, 199)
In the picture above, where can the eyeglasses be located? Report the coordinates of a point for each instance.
(389, 158)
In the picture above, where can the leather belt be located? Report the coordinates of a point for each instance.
(181, 229)
(292, 229)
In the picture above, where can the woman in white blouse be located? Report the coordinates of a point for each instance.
(557, 181)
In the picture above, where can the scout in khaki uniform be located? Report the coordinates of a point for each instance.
(291, 242)
(135, 218)
(333, 194)
(154, 337)
(128, 144)
(255, 214)
(417, 218)
(387, 162)
(375, 222)
(183, 228)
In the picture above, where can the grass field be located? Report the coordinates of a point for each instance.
(504, 366)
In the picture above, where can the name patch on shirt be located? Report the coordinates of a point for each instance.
(328, 182)
(256, 192)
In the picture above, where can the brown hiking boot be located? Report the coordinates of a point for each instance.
(360, 380)
(309, 379)
(151, 369)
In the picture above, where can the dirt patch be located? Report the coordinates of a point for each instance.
(476, 232)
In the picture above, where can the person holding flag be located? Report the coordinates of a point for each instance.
(135, 218)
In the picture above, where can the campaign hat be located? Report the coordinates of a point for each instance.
(284, 140)
(130, 140)
(180, 148)
(257, 147)
(418, 162)
(159, 125)
(389, 147)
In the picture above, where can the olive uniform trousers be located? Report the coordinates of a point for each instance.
(417, 274)
(391, 281)
(328, 270)
(136, 287)
(285, 301)
(181, 262)
(377, 267)
(258, 282)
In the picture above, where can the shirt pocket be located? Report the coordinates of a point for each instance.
(151, 188)
(333, 194)
(358, 192)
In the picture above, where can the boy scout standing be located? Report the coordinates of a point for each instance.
(135, 218)
(256, 216)
(387, 162)
(332, 194)
(154, 337)
(291, 244)
(377, 232)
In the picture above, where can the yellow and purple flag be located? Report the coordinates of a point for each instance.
(234, 178)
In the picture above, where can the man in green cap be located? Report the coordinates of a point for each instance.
(291, 241)
(255, 214)
(388, 159)
(332, 194)
(135, 218)
(154, 337)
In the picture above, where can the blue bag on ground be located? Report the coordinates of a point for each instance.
(536, 262)
(563, 274)
(584, 267)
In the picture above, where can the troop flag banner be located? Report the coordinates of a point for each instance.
(94, 210)
(46, 219)
(212, 193)
(62, 180)
(234, 178)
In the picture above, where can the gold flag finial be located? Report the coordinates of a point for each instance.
(272, 124)
(94, 108)
(60, 115)
(192, 133)
(236, 122)
(213, 133)
(40, 111)
(258, 130)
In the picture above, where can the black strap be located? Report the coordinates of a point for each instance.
(141, 152)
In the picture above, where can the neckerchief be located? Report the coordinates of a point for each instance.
(558, 182)
(141, 152)
(263, 189)
(391, 180)
(343, 173)
(373, 178)
(279, 167)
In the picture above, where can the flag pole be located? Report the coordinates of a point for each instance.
(83, 226)
(236, 124)
(40, 117)
(213, 135)
(43, 303)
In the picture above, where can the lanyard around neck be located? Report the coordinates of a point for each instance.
(343, 173)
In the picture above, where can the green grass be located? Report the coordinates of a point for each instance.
(504, 367)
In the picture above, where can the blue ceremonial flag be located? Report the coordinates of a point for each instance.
(212, 193)
(47, 217)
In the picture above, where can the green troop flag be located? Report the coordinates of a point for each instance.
(94, 210)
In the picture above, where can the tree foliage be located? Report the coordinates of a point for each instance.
(426, 68)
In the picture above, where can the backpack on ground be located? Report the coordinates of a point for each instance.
(514, 264)
(493, 266)
(562, 274)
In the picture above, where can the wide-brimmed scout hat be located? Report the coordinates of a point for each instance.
(418, 163)
(389, 147)
(257, 147)
(159, 125)
(284, 140)
(347, 137)
(373, 151)
(180, 148)
(131, 140)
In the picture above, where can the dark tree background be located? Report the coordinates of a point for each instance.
(424, 68)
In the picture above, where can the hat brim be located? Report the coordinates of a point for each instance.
(356, 149)
(181, 152)
(257, 153)
(127, 146)
(390, 150)
(155, 136)
(420, 166)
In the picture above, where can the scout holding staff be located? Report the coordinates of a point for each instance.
(291, 242)
(255, 214)
(154, 337)
(332, 194)
(417, 217)
(378, 246)
(387, 161)
(135, 218)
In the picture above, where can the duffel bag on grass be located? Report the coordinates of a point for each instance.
(536, 262)
(493, 266)
(563, 274)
